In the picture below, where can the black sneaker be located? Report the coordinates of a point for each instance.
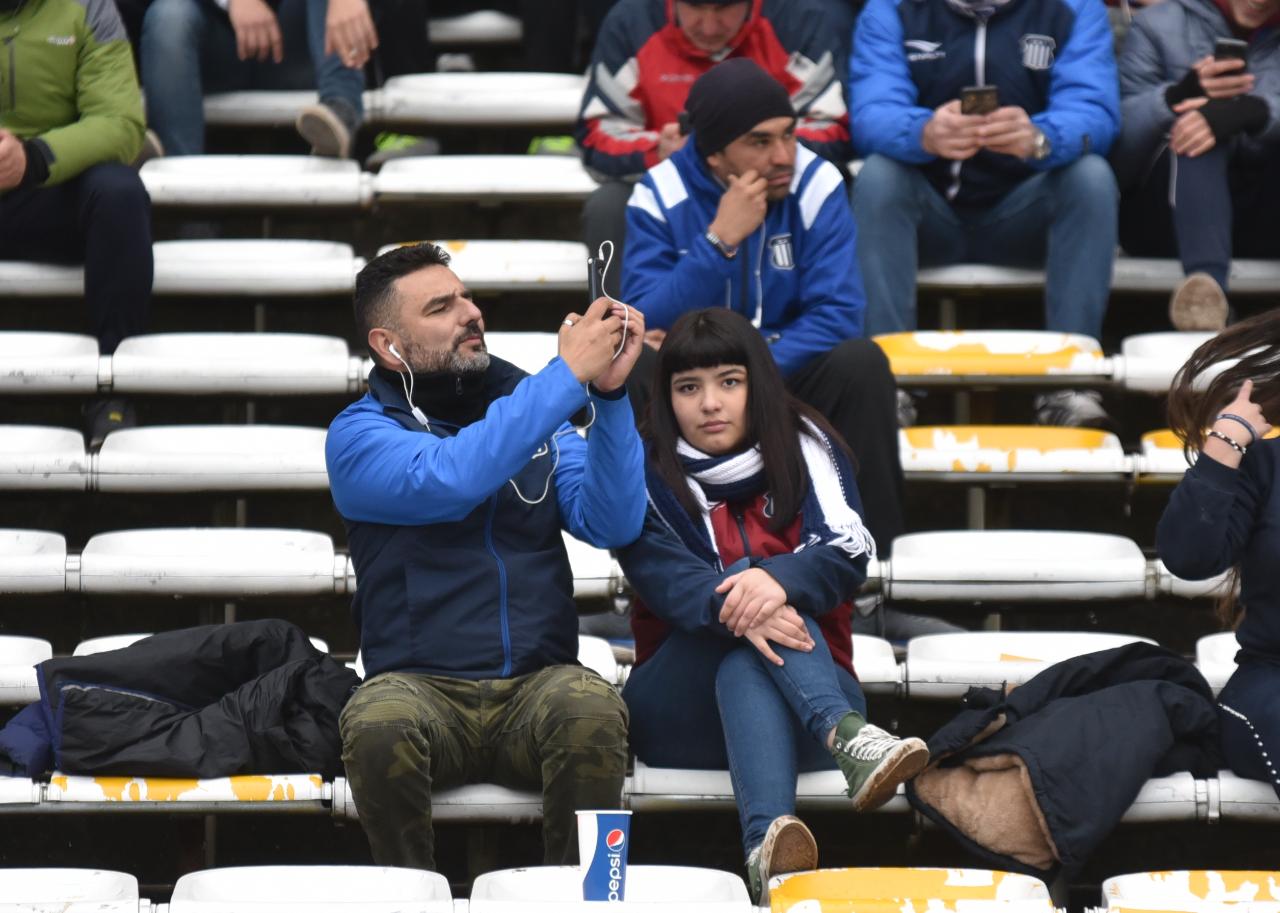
(104, 415)
(329, 126)
(1073, 409)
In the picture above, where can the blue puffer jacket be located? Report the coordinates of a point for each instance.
(1052, 58)
(796, 278)
(1162, 44)
(458, 575)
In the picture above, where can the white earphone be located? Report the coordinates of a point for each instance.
(408, 388)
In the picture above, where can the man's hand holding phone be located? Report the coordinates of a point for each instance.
(1223, 78)
(950, 134)
(1009, 131)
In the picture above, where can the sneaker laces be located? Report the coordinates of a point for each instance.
(870, 744)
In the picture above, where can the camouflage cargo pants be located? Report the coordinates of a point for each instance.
(562, 729)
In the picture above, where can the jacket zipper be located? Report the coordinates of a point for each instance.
(742, 532)
(502, 587)
(742, 291)
(979, 79)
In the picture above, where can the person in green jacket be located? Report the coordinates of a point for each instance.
(70, 122)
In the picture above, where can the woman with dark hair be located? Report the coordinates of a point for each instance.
(752, 549)
(1225, 514)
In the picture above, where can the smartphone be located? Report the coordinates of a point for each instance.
(979, 99)
(1230, 49)
(595, 288)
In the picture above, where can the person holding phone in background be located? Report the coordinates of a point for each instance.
(1023, 184)
(1199, 148)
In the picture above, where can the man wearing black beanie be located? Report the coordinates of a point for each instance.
(743, 217)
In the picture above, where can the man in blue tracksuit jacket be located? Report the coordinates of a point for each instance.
(745, 218)
(455, 475)
(1023, 185)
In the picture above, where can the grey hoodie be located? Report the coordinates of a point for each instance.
(1162, 44)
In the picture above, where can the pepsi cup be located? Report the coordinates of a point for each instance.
(602, 852)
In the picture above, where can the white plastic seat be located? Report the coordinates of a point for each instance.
(508, 266)
(212, 457)
(978, 277)
(1148, 361)
(319, 888)
(595, 573)
(258, 181)
(479, 27)
(949, 358)
(972, 453)
(652, 887)
(1216, 658)
(1247, 800)
(27, 279)
(876, 665)
(529, 352)
(488, 99)
(20, 791)
(679, 789)
(596, 654)
(942, 666)
(208, 562)
(246, 363)
(1177, 797)
(1167, 583)
(120, 641)
(1143, 274)
(47, 362)
(477, 802)
(1024, 565)
(18, 659)
(270, 108)
(285, 792)
(32, 561)
(72, 890)
(1162, 458)
(1191, 890)
(257, 269)
(483, 179)
(37, 457)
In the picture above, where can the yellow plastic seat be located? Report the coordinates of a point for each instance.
(1192, 889)
(960, 452)
(948, 358)
(896, 889)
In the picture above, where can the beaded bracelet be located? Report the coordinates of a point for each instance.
(1235, 445)
(1253, 435)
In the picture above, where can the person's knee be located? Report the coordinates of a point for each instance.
(116, 188)
(581, 712)
(171, 23)
(860, 364)
(382, 718)
(882, 184)
(1089, 181)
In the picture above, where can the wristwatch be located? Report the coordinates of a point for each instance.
(728, 252)
(1040, 149)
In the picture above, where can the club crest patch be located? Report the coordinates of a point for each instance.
(1037, 51)
(780, 253)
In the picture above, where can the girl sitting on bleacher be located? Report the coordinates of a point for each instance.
(1225, 514)
(752, 549)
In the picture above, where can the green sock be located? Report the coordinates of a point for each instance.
(847, 729)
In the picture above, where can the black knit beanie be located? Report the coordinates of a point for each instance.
(728, 100)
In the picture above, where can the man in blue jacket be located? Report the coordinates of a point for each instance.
(743, 217)
(455, 475)
(1024, 184)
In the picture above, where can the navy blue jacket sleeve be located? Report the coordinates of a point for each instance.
(600, 481)
(1210, 517)
(818, 578)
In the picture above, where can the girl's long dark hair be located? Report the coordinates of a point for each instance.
(716, 336)
(1197, 396)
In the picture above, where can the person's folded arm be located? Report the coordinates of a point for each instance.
(382, 472)
(818, 578)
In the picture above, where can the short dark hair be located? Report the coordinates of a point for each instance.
(718, 336)
(375, 297)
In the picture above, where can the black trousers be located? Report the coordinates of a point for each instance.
(853, 388)
(101, 219)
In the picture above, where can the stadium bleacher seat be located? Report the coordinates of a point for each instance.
(1148, 361)
(678, 789)
(270, 108)
(517, 266)
(1216, 658)
(1177, 797)
(876, 664)
(258, 181)
(43, 363)
(479, 27)
(1130, 275)
(651, 887)
(212, 458)
(530, 352)
(319, 888)
(212, 562)
(976, 453)
(241, 363)
(481, 99)
(300, 792)
(945, 666)
(1167, 584)
(910, 888)
(1190, 890)
(475, 803)
(1246, 800)
(70, 890)
(37, 457)
(18, 658)
(20, 794)
(990, 357)
(596, 654)
(1162, 459)
(483, 179)
(595, 573)
(255, 268)
(32, 561)
(1022, 565)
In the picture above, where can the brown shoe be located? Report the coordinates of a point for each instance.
(788, 846)
(1198, 303)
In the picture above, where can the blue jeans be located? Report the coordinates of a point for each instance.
(707, 702)
(1062, 220)
(189, 49)
(1250, 718)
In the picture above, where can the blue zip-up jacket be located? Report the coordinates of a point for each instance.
(796, 277)
(457, 575)
(1052, 58)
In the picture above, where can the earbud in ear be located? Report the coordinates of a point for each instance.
(392, 349)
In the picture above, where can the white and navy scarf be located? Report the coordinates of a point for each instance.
(827, 516)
